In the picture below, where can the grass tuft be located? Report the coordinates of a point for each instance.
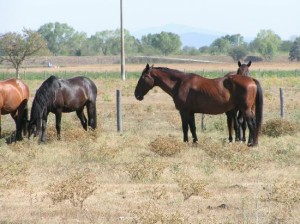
(167, 146)
(75, 189)
(279, 127)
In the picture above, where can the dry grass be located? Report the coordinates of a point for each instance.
(146, 174)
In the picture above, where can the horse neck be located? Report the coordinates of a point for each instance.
(167, 81)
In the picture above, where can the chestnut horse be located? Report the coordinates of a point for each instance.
(192, 94)
(237, 121)
(61, 96)
(14, 95)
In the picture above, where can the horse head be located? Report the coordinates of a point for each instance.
(243, 68)
(34, 127)
(145, 83)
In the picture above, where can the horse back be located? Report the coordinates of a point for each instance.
(75, 92)
(12, 93)
(203, 95)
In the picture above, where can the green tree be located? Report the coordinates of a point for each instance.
(223, 44)
(266, 43)
(164, 42)
(62, 39)
(295, 50)
(190, 50)
(108, 42)
(15, 47)
(238, 52)
(286, 45)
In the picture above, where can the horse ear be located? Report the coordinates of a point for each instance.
(147, 67)
(239, 63)
(249, 64)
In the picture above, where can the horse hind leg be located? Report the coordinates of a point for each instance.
(21, 119)
(25, 119)
(82, 118)
(92, 114)
(244, 127)
(230, 123)
(241, 122)
(250, 119)
(185, 125)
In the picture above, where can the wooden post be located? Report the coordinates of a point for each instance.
(119, 114)
(281, 102)
(202, 122)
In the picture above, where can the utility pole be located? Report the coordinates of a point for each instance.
(122, 43)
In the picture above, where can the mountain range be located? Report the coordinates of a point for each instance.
(189, 36)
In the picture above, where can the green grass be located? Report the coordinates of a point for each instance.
(135, 75)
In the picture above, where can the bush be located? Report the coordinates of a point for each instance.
(278, 127)
(167, 146)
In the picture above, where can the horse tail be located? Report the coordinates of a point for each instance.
(258, 109)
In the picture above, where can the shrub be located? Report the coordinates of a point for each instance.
(190, 187)
(278, 127)
(76, 189)
(283, 191)
(146, 168)
(167, 146)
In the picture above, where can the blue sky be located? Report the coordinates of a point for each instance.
(224, 16)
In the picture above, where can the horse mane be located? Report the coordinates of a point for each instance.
(175, 72)
(44, 97)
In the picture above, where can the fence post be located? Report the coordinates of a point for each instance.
(202, 123)
(119, 114)
(281, 102)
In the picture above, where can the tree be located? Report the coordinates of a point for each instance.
(15, 47)
(295, 50)
(62, 39)
(107, 42)
(238, 52)
(286, 45)
(223, 44)
(164, 42)
(266, 43)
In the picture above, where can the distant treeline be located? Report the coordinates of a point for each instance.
(65, 40)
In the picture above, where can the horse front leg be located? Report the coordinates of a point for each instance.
(44, 127)
(229, 115)
(193, 127)
(92, 114)
(58, 124)
(82, 118)
(185, 126)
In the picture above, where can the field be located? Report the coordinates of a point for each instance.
(146, 174)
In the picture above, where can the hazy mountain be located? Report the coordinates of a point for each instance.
(190, 36)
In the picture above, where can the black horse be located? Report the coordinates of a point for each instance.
(62, 96)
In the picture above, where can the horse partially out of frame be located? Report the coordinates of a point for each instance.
(14, 95)
(192, 94)
(61, 96)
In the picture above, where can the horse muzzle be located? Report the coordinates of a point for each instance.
(140, 98)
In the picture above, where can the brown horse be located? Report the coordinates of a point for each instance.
(14, 95)
(192, 94)
(237, 122)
